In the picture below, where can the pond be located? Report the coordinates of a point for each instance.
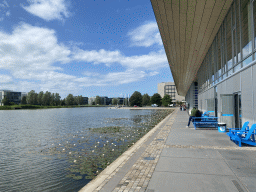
(63, 149)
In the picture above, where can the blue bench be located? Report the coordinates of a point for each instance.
(246, 137)
(234, 131)
(205, 121)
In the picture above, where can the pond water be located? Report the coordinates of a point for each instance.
(63, 149)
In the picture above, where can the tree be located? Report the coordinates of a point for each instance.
(52, 99)
(6, 101)
(114, 101)
(46, 98)
(79, 100)
(35, 102)
(24, 100)
(40, 98)
(31, 97)
(70, 99)
(126, 101)
(145, 99)
(166, 100)
(57, 99)
(156, 99)
(63, 102)
(98, 100)
(136, 99)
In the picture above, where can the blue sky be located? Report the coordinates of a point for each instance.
(93, 47)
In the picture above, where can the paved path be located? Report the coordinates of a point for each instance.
(174, 158)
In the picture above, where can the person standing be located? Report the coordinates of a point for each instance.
(193, 114)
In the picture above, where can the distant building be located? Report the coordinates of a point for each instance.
(120, 100)
(91, 100)
(169, 88)
(13, 96)
(24, 94)
(104, 100)
(85, 101)
(109, 101)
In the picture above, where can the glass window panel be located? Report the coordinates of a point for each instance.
(219, 53)
(230, 72)
(229, 41)
(224, 76)
(220, 78)
(238, 33)
(247, 61)
(234, 45)
(237, 67)
(223, 41)
(233, 13)
(215, 61)
(246, 28)
(254, 20)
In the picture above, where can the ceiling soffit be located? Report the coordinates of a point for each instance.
(188, 28)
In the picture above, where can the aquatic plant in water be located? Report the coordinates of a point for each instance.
(89, 153)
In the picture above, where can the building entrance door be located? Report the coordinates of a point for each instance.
(216, 107)
(227, 109)
(215, 101)
(237, 110)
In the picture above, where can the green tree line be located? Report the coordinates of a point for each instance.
(144, 100)
(54, 99)
(50, 99)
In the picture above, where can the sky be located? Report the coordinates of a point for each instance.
(94, 47)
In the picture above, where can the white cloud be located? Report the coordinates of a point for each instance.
(31, 48)
(153, 60)
(5, 78)
(97, 57)
(30, 53)
(90, 74)
(8, 13)
(125, 77)
(145, 35)
(153, 73)
(4, 4)
(111, 79)
(48, 9)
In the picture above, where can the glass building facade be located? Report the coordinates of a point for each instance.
(227, 76)
(233, 47)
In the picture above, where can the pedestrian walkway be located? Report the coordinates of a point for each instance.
(174, 158)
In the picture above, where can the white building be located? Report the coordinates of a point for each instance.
(169, 88)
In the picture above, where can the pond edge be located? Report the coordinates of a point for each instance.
(96, 182)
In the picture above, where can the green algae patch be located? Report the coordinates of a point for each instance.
(112, 129)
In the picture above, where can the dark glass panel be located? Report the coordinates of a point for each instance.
(254, 20)
(219, 54)
(229, 41)
(246, 28)
(238, 33)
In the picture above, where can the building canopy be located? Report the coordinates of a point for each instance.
(188, 28)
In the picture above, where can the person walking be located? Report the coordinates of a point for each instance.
(193, 114)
